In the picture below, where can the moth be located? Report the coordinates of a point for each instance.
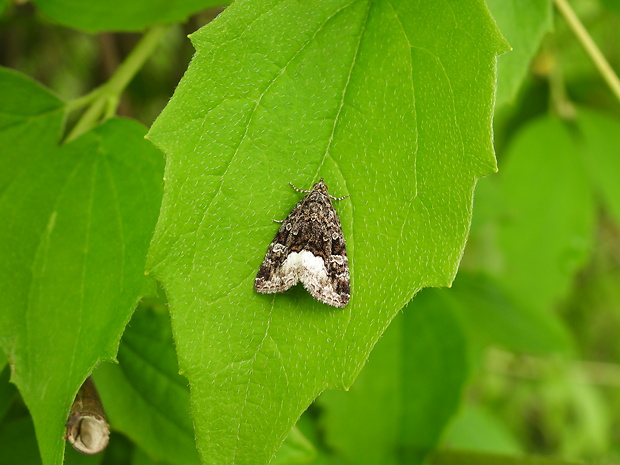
(309, 247)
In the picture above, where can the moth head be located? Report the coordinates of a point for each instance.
(320, 186)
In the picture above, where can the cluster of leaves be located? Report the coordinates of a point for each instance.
(392, 103)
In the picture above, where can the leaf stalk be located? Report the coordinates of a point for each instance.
(103, 101)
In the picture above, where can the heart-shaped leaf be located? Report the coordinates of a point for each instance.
(390, 103)
(79, 218)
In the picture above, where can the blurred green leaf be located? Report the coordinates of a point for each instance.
(391, 103)
(144, 396)
(523, 23)
(102, 15)
(480, 458)
(120, 451)
(547, 221)
(613, 5)
(479, 430)
(74, 250)
(586, 424)
(600, 140)
(139, 457)
(7, 391)
(411, 387)
(18, 442)
(492, 314)
(296, 450)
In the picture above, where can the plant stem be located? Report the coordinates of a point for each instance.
(589, 46)
(104, 100)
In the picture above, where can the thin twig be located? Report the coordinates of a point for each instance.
(104, 100)
(590, 47)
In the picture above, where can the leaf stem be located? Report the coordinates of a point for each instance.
(589, 46)
(103, 101)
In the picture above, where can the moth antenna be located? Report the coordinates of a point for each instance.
(299, 190)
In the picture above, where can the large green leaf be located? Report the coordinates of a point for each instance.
(78, 222)
(401, 402)
(135, 15)
(391, 103)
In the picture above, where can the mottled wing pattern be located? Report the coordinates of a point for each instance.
(309, 247)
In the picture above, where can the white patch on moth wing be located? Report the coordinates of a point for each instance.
(306, 267)
(312, 273)
(301, 266)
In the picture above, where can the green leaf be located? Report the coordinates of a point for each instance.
(27, 109)
(408, 391)
(391, 103)
(477, 429)
(600, 140)
(144, 396)
(524, 23)
(7, 391)
(18, 442)
(135, 15)
(120, 451)
(493, 315)
(458, 457)
(139, 457)
(548, 214)
(81, 217)
(296, 450)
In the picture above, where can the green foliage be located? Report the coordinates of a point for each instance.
(543, 182)
(391, 102)
(103, 15)
(144, 395)
(74, 249)
(489, 312)
(399, 413)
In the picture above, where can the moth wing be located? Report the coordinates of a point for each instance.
(324, 264)
(278, 273)
(326, 280)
